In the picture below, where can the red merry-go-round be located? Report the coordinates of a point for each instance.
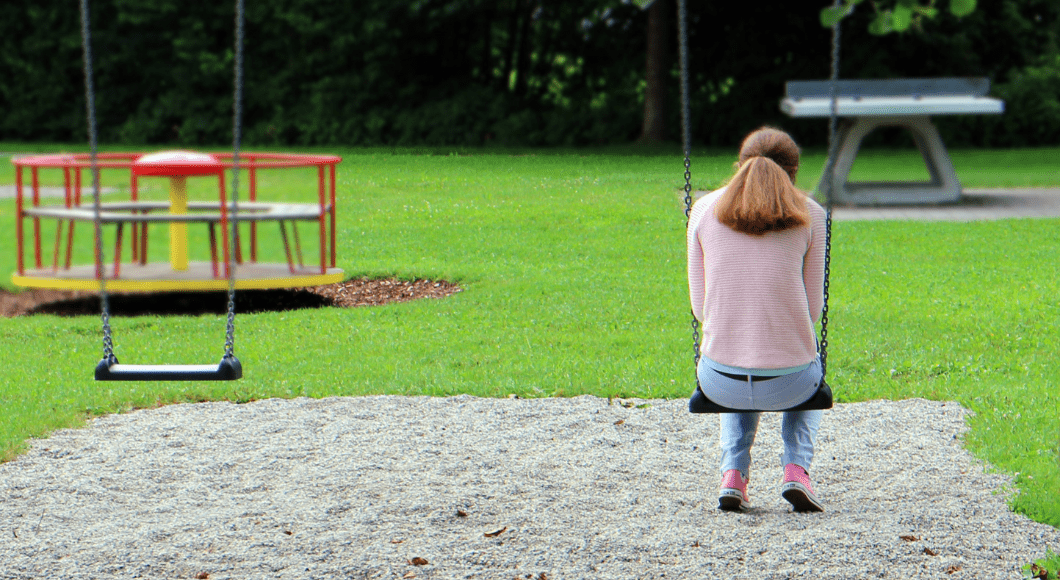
(132, 271)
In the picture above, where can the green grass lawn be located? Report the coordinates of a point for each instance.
(573, 268)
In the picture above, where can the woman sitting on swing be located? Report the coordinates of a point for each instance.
(756, 252)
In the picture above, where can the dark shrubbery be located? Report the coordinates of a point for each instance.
(471, 72)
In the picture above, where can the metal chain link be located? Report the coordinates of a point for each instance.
(686, 141)
(827, 180)
(686, 122)
(688, 187)
(237, 120)
(827, 276)
(90, 108)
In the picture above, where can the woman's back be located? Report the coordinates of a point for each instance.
(757, 295)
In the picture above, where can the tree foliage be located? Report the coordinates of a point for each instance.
(1014, 43)
(469, 72)
(896, 15)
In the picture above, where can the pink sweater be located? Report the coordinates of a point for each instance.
(757, 297)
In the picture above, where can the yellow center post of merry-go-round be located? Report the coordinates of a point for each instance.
(178, 166)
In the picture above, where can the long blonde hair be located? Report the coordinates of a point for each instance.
(762, 196)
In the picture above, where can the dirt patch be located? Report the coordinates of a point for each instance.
(361, 292)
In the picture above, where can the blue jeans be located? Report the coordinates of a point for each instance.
(798, 429)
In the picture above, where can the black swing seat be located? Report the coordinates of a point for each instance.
(822, 399)
(228, 369)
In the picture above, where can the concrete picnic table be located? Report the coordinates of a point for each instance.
(865, 105)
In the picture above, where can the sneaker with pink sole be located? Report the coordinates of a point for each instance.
(798, 490)
(732, 497)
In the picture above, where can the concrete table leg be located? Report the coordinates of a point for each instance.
(943, 187)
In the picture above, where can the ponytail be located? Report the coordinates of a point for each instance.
(761, 198)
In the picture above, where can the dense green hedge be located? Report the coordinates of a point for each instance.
(468, 72)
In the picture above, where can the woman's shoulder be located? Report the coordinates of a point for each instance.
(702, 205)
(707, 199)
(815, 209)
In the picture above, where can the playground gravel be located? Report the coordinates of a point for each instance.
(465, 487)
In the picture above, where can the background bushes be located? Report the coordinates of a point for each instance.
(471, 72)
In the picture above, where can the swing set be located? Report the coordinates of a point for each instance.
(177, 166)
(229, 270)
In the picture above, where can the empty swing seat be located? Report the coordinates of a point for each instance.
(228, 369)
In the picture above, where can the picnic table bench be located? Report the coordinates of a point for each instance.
(865, 105)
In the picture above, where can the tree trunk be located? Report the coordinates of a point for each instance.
(654, 128)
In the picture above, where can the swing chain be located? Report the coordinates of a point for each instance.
(695, 341)
(827, 278)
(827, 180)
(686, 141)
(90, 109)
(688, 188)
(686, 123)
(237, 113)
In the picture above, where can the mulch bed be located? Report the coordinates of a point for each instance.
(348, 294)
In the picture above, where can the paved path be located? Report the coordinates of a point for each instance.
(975, 205)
